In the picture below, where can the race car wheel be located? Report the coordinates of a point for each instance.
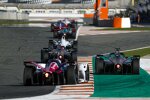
(40, 78)
(74, 35)
(61, 79)
(76, 25)
(55, 34)
(55, 78)
(135, 66)
(74, 56)
(44, 55)
(28, 76)
(52, 28)
(87, 73)
(50, 44)
(71, 75)
(99, 66)
(70, 26)
(77, 74)
(48, 81)
(75, 46)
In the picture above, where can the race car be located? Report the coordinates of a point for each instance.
(70, 23)
(67, 48)
(69, 32)
(63, 42)
(58, 26)
(53, 72)
(61, 24)
(116, 63)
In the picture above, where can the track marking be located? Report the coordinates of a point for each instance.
(89, 30)
(77, 33)
(104, 32)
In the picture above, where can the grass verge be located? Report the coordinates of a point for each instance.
(141, 52)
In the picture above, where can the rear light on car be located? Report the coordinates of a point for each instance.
(73, 30)
(62, 47)
(46, 75)
(118, 66)
(60, 57)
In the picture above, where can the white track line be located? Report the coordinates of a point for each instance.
(133, 49)
(88, 32)
(77, 33)
(137, 48)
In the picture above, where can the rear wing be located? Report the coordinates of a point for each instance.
(34, 64)
(29, 63)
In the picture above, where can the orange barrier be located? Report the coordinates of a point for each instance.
(122, 22)
(117, 22)
(88, 15)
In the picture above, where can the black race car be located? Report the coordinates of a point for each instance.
(116, 63)
(69, 32)
(67, 48)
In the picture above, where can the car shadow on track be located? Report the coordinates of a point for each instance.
(20, 91)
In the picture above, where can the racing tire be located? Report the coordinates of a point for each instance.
(74, 57)
(76, 25)
(55, 79)
(77, 74)
(28, 76)
(52, 28)
(48, 81)
(75, 46)
(44, 56)
(55, 34)
(71, 75)
(61, 79)
(73, 35)
(40, 78)
(135, 66)
(99, 66)
(87, 73)
(50, 44)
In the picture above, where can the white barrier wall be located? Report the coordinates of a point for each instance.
(126, 23)
(13, 16)
(37, 15)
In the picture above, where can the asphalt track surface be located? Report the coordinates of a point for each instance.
(100, 44)
(17, 45)
(24, 43)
